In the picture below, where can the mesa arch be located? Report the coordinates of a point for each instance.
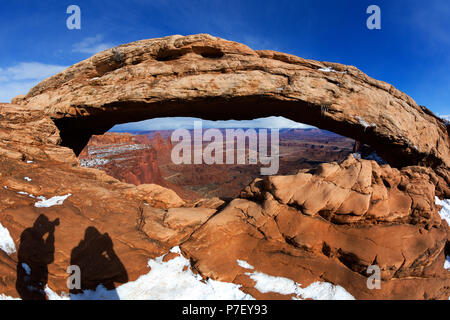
(215, 79)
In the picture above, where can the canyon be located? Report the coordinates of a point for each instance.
(145, 157)
(314, 225)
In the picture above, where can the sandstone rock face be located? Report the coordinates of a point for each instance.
(29, 149)
(212, 78)
(356, 191)
(281, 241)
(330, 225)
(138, 160)
(326, 224)
(129, 158)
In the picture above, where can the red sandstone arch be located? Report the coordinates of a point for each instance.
(211, 78)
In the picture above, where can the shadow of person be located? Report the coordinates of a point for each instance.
(36, 252)
(98, 265)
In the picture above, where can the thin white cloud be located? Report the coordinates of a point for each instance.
(29, 70)
(20, 78)
(188, 123)
(92, 45)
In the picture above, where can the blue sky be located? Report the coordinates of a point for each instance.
(411, 51)
(188, 123)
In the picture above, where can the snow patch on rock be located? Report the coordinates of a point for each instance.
(316, 291)
(170, 280)
(6, 242)
(244, 264)
(445, 215)
(330, 69)
(54, 201)
(445, 211)
(5, 297)
(447, 263)
(364, 123)
(90, 163)
(175, 280)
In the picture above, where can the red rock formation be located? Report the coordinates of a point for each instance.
(130, 158)
(211, 78)
(331, 224)
(362, 213)
(123, 156)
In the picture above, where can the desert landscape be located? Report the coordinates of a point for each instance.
(145, 157)
(367, 186)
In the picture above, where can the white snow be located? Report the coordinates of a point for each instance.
(325, 291)
(93, 162)
(100, 155)
(316, 291)
(326, 69)
(165, 280)
(27, 179)
(6, 242)
(445, 215)
(266, 283)
(44, 202)
(52, 295)
(23, 193)
(447, 263)
(54, 201)
(364, 123)
(445, 211)
(244, 264)
(26, 194)
(175, 280)
(330, 69)
(5, 297)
